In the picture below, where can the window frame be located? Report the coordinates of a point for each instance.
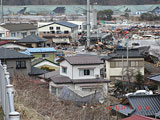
(21, 65)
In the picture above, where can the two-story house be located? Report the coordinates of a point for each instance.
(81, 73)
(116, 64)
(59, 32)
(17, 30)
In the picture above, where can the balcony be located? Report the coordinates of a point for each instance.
(56, 35)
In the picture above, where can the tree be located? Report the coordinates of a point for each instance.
(126, 15)
(105, 14)
(140, 80)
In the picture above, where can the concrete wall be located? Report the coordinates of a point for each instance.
(11, 65)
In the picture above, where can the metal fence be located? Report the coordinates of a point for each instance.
(7, 95)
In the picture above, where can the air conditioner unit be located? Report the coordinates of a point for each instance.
(97, 76)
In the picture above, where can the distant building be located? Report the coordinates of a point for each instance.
(17, 30)
(45, 53)
(59, 32)
(33, 41)
(114, 64)
(59, 10)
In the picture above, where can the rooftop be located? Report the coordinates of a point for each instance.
(155, 78)
(40, 50)
(83, 60)
(132, 53)
(19, 26)
(139, 117)
(63, 23)
(32, 39)
(146, 105)
(12, 54)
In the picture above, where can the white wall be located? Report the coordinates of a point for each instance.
(73, 71)
(69, 69)
(78, 67)
(47, 28)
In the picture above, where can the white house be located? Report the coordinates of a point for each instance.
(17, 30)
(58, 32)
(80, 73)
(117, 62)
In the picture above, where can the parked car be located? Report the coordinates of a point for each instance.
(140, 92)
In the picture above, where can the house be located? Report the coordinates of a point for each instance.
(19, 30)
(81, 73)
(16, 62)
(116, 61)
(47, 53)
(44, 63)
(145, 105)
(59, 32)
(59, 10)
(33, 41)
(12, 45)
(139, 117)
(156, 79)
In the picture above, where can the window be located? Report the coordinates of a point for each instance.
(58, 28)
(113, 64)
(20, 64)
(86, 72)
(45, 55)
(64, 69)
(66, 32)
(53, 32)
(0, 34)
(33, 33)
(51, 28)
(59, 32)
(13, 34)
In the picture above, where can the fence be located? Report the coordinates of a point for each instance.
(7, 95)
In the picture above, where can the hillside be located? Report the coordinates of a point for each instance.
(79, 2)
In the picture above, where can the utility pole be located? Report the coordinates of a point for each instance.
(88, 23)
(2, 12)
(122, 68)
(128, 67)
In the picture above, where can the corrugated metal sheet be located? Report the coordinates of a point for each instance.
(40, 50)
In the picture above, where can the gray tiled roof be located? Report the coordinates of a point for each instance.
(32, 39)
(132, 53)
(125, 111)
(37, 71)
(59, 79)
(155, 78)
(19, 26)
(83, 60)
(153, 101)
(12, 54)
(147, 105)
(50, 74)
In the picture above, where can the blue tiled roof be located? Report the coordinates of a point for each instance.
(25, 52)
(40, 50)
